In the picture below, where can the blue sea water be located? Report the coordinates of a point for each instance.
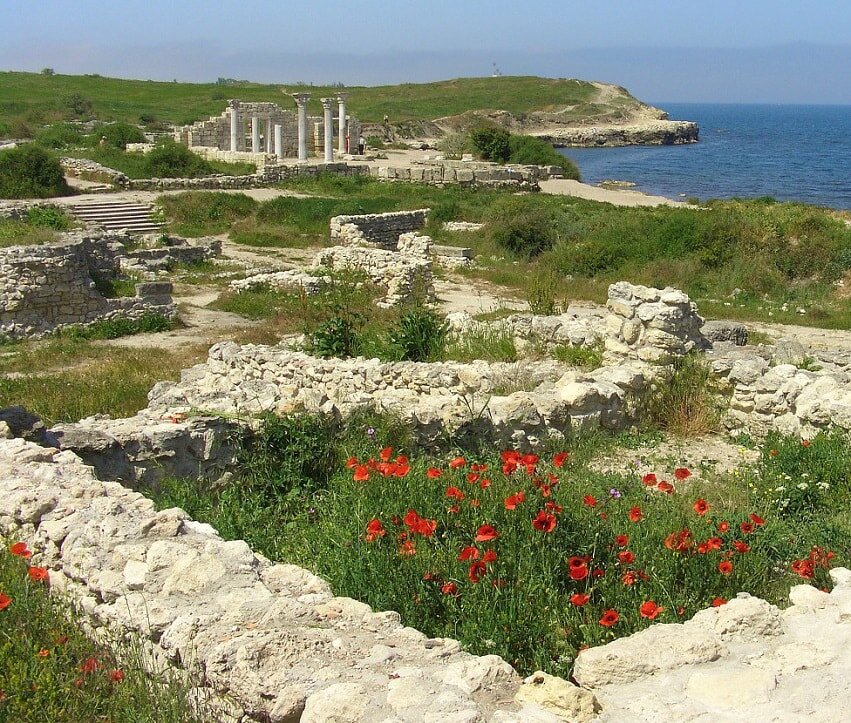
(790, 152)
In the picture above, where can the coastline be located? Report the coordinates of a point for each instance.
(652, 133)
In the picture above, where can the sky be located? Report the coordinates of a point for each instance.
(778, 51)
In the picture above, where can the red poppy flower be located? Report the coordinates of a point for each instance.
(19, 549)
(544, 522)
(703, 548)
(485, 483)
(467, 554)
(512, 501)
(351, 462)
(725, 567)
(740, 546)
(622, 540)
(89, 665)
(715, 543)
(489, 556)
(635, 514)
(486, 533)
(805, 442)
(682, 473)
(475, 503)
(804, 568)
(559, 459)
(116, 676)
(626, 557)
(449, 588)
(473, 477)
(386, 454)
(478, 467)
(665, 487)
(746, 527)
(407, 549)
(5, 601)
(411, 519)
(723, 526)
(374, 529)
(37, 574)
(361, 473)
(455, 493)
(629, 578)
(577, 568)
(425, 527)
(556, 509)
(589, 501)
(701, 507)
(649, 480)
(579, 599)
(756, 519)
(477, 571)
(433, 473)
(679, 541)
(610, 617)
(453, 510)
(401, 469)
(458, 462)
(599, 572)
(650, 610)
(718, 602)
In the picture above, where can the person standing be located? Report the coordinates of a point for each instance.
(361, 145)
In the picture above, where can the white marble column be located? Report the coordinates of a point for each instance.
(255, 134)
(301, 100)
(235, 144)
(329, 129)
(279, 141)
(341, 121)
(269, 146)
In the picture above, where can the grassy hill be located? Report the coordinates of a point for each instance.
(31, 99)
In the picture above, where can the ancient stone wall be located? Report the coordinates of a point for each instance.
(520, 177)
(44, 288)
(377, 230)
(93, 171)
(170, 250)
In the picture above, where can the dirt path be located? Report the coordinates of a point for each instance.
(629, 199)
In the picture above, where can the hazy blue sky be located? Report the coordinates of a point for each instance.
(721, 50)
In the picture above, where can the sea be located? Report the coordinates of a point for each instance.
(789, 152)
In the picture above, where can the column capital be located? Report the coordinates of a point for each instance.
(301, 99)
(326, 103)
(342, 96)
(233, 103)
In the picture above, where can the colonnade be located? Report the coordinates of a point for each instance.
(274, 133)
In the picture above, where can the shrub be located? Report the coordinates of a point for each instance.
(118, 135)
(454, 145)
(584, 357)
(59, 135)
(48, 217)
(30, 172)
(336, 337)
(529, 150)
(525, 236)
(173, 160)
(419, 335)
(541, 294)
(683, 400)
(79, 105)
(491, 142)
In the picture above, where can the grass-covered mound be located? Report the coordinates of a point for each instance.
(29, 171)
(529, 557)
(28, 100)
(39, 225)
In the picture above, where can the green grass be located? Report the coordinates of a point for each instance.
(135, 165)
(30, 99)
(520, 607)
(52, 671)
(68, 379)
(38, 226)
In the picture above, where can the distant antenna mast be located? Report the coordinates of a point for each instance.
(496, 71)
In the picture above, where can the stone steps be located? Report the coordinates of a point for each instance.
(114, 215)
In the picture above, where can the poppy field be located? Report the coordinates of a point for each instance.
(535, 556)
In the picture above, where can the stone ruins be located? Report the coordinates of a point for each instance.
(270, 130)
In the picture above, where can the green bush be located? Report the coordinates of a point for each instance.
(336, 337)
(118, 135)
(541, 294)
(491, 143)
(419, 335)
(173, 160)
(59, 135)
(528, 150)
(79, 105)
(29, 171)
(48, 217)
